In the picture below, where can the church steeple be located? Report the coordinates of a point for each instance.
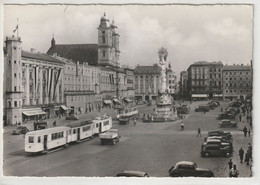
(52, 41)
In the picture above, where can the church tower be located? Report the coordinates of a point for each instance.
(115, 43)
(107, 52)
(13, 80)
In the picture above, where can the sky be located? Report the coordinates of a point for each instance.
(190, 33)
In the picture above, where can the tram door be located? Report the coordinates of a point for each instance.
(45, 142)
(78, 133)
(100, 127)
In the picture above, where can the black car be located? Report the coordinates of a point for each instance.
(189, 169)
(215, 150)
(20, 130)
(225, 135)
(226, 115)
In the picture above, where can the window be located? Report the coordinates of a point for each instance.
(226, 84)
(15, 75)
(104, 53)
(14, 88)
(103, 40)
(86, 128)
(74, 131)
(23, 74)
(15, 103)
(231, 91)
(39, 139)
(106, 123)
(9, 61)
(30, 74)
(30, 139)
(9, 104)
(15, 61)
(226, 91)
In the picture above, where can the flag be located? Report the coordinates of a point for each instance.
(16, 28)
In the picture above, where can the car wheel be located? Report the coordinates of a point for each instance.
(207, 154)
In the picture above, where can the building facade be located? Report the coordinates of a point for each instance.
(183, 85)
(33, 81)
(237, 81)
(172, 83)
(147, 80)
(205, 80)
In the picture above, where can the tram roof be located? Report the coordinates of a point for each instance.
(80, 123)
(48, 130)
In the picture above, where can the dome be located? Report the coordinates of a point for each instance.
(103, 18)
(113, 25)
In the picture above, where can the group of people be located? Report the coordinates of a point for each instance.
(233, 171)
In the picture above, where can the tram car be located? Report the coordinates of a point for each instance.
(46, 139)
(50, 138)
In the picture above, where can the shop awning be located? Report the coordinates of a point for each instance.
(33, 112)
(116, 100)
(107, 101)
(64, 107)
(199, 95)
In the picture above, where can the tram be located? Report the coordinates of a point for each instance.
(50, 138)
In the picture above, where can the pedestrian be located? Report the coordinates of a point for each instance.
(234, 172)
(250, 150)
(134, 121)
(182, 125)
(245, 131)
(249, 132)
(54, 123)
(199, 132)
(247, 158)
(221, 109)
(241, 154)
(230, 164)
(240, 117)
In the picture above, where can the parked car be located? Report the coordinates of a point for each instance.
(232, 110)
(72, 117)
(227, 123)
(184, 109)
(235, 104)
(212, 105)
(226, 116)
(225, 135)
(123, 120)
(202, 108)
(215, 150)
(218, 142)
(20, 130)
(132, 174)
(222, 140)
(189, 169)
(217, 102)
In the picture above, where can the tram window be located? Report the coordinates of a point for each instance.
(106, 123)
(86, 128)
(39, 139)
(97, 125)
(61, 134)
(74, 131)
(31, 139)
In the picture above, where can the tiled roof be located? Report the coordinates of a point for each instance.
(236, 68)
(40, 56)
(147, 70)
(77, 52)
(206, 63)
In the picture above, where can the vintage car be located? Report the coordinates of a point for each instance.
(132, 174)
(189, 169)
(20, 130)
(123, 120)
(225, 135)
(184, 109)
(202, 108)
(227, 123)
(219, 142)
(226, 115)
(109, 137)
(215, 150)
(72, 117)
(222, 140)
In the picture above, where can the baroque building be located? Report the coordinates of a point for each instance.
(33, 81)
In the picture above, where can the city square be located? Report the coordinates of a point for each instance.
(103, 107)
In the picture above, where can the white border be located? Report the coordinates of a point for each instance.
(255, 180)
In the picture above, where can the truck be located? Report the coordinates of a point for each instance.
(109, 137)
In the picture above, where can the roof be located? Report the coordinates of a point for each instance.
(40, 56)
(236, 68)
(80, 123)
(185, 162)
(77, 52)
(155, 69)
(199, 63)
(48, 130)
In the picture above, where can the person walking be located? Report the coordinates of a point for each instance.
(247, 158)
(230, 164)
(199, 132)
(245, 131)
(249, 132)
(234, 172)
(250, 150)
(241, 155)
(182, 125)
(134, 121)
(240, 117)
(54, 123)
(221, 109)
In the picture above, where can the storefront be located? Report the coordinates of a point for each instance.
(33, 114)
